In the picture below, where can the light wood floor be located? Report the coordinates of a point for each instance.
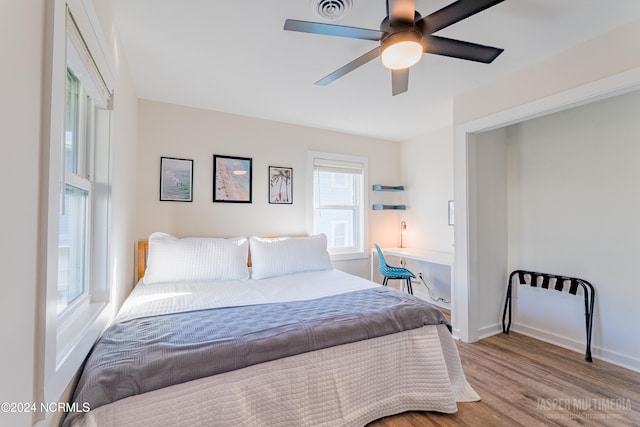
(526, 382)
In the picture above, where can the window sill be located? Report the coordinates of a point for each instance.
(76, 337)
(348, 256)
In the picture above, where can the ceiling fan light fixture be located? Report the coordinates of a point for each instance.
(402, 50)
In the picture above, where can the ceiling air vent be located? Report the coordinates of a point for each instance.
(331, 9)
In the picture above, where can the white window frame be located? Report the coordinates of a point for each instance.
(65, 340)
(359, 251)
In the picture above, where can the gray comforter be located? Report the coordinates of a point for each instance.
(145, 354)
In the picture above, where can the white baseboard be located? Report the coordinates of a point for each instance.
(609, 356)
(490, 330)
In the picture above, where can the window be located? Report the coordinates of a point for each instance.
(86, 133)
(73, 231)
(83, 202)
(76, 205)
(339, 200)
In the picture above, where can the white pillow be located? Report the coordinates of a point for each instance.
(287, 255)
(196, 259)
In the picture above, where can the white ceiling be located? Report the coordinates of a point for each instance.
(234, 56)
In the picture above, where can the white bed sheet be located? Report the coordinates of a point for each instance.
(346, 385)
(172, 297)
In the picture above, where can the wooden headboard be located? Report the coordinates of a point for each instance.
(143, 250)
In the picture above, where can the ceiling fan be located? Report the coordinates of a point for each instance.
(404, 36)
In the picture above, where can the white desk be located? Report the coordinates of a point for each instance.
(425, 255)
(420, 255)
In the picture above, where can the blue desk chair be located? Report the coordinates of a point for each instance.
(390, 272)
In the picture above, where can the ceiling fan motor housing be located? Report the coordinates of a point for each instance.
(331, 9)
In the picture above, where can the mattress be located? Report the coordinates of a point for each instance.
(350, 384)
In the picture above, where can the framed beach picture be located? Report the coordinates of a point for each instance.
(176, 179)
(280, 185)
(232, 178)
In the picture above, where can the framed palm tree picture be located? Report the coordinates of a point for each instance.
(280, 185)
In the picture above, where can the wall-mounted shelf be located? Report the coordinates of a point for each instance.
(381, 207)
(379, 187)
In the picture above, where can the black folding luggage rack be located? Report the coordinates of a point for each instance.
(543, 280)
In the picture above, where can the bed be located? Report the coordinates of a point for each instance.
(213, 336)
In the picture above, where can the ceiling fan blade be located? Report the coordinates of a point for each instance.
(453, 13)
(332, 30)
(460, 49)
(372, 54)
(401, 11)
(399, 81)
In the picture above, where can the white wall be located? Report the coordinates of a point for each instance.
(550, 86)
(573, 210)
(124, 135)
(427, 173)
(21, 44)
(609, 54)
(175, 131)
(23, 47)
(488, 210)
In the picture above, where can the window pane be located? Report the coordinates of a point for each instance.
(72, 120)
(338, 225)
(338, 234)
(72, 248)
(335, 189)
